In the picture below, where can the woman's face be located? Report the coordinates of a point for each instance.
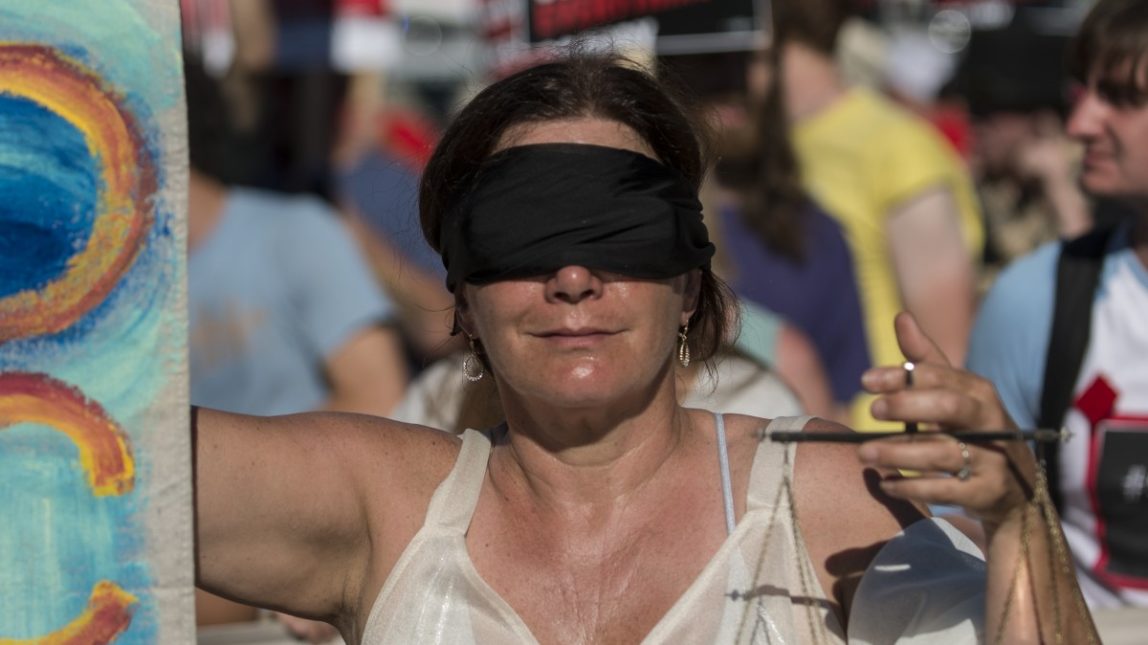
(579, 337)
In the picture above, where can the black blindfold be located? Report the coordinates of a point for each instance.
(534, 209)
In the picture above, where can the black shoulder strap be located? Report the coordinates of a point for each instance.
(1077, 277)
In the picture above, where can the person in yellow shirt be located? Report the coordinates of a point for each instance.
(903, 197)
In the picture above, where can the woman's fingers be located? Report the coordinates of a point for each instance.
(915, 345)
(982, 496)
(925, 452)
(946, 407)
(945, 491)
(939, 394)
(879, 380)
(989, 481)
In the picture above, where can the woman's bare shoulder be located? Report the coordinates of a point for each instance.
(833, 490)
(843, 513)
(404, 455)
(744, 427)
(830, 477)
(823, 467)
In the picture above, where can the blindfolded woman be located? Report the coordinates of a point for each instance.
(564, 203)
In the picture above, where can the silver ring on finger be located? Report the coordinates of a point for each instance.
(909, 367)
(966, 470)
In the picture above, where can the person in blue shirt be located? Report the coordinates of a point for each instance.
(1101, 471)
(284, 315)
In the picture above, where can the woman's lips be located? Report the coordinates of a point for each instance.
(575, 337)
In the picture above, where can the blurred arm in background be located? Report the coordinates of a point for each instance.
(934, 271)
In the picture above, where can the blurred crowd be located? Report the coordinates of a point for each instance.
(868, 157)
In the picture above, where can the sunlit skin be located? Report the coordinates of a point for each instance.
(1115, 138)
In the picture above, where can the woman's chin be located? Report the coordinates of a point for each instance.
(586, 382)
(582, 387)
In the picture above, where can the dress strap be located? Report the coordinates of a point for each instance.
(772, 465)
(454, 501)
(723, 461)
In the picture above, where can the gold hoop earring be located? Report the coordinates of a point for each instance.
(472, 367)
(684, 346)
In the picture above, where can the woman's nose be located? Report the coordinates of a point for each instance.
(573, 284)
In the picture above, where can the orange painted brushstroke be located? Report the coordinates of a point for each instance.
(62, 85)
(105, 454)
(108, 614)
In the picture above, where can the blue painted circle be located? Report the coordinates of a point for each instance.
(49, 183)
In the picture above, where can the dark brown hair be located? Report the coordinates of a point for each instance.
(580, 85)
(1112, 48)
(764, 171)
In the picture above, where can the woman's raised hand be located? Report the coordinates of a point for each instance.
(991, 480)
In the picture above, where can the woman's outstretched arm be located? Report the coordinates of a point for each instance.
(1032, 594)
(290, 510)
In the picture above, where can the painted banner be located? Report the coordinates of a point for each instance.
(95, 481)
